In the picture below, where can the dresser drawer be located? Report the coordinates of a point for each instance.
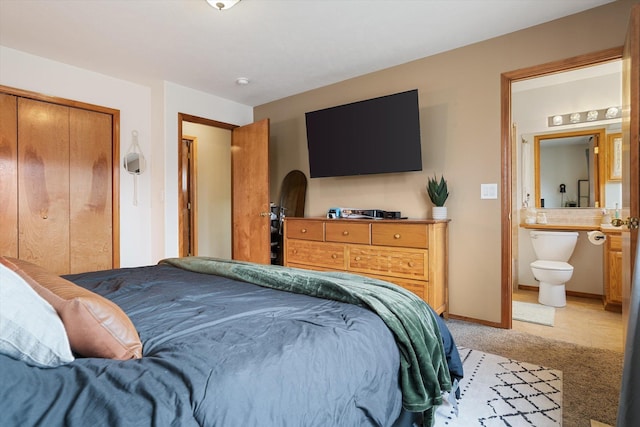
(417, 287)
(309, 267)
(305, 230)
(401, 235)
(345, 232)
(404, 263)
(316, 253)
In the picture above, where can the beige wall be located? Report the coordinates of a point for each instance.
(459, 95)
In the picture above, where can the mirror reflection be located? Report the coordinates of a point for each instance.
(134, 163)
(567, 169)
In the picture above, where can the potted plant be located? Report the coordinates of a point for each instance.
(438, 194)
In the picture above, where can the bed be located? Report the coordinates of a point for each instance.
(226, 343)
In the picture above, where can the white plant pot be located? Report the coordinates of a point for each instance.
(439, 212)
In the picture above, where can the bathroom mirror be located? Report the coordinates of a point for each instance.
(567, 169)
(134, 163)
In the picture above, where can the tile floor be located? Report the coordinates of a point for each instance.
(583, 321)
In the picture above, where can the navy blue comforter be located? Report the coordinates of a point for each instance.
(217, 352)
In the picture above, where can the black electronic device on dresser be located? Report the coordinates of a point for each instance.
(352, 213)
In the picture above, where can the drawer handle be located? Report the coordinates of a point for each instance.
(334, 256)
(396, 236)
(411, 264)
(358, 258)
(345, 233)
(304, 230)
(295, 251)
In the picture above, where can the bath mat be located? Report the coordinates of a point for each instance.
(497, 391)
(533, 313)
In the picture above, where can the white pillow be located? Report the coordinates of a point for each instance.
(30, 329)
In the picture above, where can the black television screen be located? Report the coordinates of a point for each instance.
(379, 135)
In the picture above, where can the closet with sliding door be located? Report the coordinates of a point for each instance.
(58, 192)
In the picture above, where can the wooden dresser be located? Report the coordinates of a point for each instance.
(409, 253)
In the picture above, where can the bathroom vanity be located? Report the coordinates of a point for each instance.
(612, 270)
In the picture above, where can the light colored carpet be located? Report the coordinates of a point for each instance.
(497, 391)
(590, 376)
(533, 313)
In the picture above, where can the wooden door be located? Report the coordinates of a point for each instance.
(43, 184)
(628, 409)
(250, 188)
(187, 198)
(630, 153)
(91, 191)
(8, 175)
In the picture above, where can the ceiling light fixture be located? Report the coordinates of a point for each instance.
(612, 112)
(223, 5)
(242, 81)
(584, 116)
(574, 118)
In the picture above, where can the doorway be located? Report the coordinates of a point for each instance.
(511, 201)
(204, 172)
(248, 198)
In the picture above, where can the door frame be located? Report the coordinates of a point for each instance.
(182, 219)
(507, 152)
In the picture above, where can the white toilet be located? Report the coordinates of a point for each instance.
(553, 249)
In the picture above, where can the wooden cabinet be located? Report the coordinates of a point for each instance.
(8, 176)
(613, 272)
(56, 182)
(409, 253)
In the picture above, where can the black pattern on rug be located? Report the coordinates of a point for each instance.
(497, 391)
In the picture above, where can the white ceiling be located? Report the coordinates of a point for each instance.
(283, 47)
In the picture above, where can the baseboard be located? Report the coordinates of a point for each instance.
(477, 321)
(524, 288)
(568, 292)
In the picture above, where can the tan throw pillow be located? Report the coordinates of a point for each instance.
(96, 327)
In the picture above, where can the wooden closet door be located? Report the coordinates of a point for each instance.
(90, 183)
(43, 184)
(8, 175)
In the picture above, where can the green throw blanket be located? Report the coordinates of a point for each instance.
(423, 367)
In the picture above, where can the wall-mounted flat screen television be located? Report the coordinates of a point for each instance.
(379, 135)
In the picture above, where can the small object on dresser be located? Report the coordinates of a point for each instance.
(438, 194)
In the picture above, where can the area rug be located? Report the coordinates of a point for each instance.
(533, 313)
(497, 391)
(590, 376)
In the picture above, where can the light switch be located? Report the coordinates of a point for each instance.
(488, 191)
